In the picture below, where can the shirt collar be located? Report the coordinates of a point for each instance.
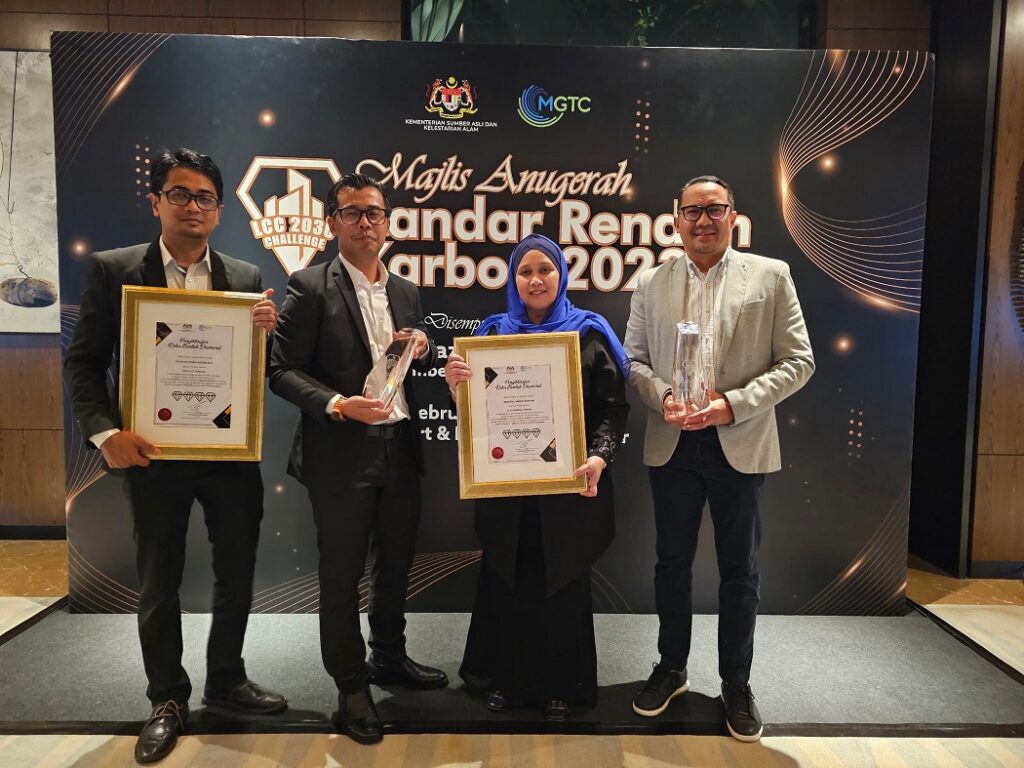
(358, 278)
(168, 259)
(719, 266)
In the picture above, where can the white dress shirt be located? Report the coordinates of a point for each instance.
(380, 328)
(704, 307)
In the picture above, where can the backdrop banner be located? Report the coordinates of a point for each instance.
(479, 145)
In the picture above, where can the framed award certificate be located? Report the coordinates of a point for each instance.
(521, 430)
(192, 367)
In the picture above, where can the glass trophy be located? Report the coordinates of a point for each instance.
(389, 372)
(688, 385)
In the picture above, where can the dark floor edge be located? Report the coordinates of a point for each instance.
(34, 532)
(312, 727)
(1007, 669)
(31, 621)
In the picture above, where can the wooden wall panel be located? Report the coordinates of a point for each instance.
(998, 534)
(54, 6)
(157, 7)
(30, 388)
(199, 25)
(355, 30)
(366, 10)
(998, 522)
(32, 30)
(878, 39)
(31, 477)
(1001, 422)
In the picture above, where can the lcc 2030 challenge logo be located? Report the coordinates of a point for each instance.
(291, 225)
(540, 109)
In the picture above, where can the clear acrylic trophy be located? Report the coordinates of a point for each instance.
(688, 383)
(389, 372)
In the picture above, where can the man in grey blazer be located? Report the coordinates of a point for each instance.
(186, 194)
(754, 353)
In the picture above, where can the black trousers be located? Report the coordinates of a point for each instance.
(378, 513)
(231, 495)
(698, 472)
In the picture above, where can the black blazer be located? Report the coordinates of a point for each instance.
(321, 349)
(95, 343)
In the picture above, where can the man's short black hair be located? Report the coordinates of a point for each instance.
(355, 181)
(184, 158)
(710, 180)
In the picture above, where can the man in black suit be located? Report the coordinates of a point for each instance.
(186, 191)
(360, 462)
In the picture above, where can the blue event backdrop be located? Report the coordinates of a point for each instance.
(828, 154)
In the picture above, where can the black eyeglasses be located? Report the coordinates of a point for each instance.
(715, 211)
(177, 196)
(353, 215)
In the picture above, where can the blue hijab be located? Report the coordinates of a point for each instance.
(562, 316)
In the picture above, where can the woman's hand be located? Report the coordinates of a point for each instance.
(592, 468)
(456, 370)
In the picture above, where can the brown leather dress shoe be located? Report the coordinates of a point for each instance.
(160, 733)
(357, 717)
(246, 697)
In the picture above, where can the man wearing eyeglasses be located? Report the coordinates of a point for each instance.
(753, 353)
(360, 461)
(186, 192)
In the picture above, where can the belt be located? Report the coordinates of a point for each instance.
(386, 431)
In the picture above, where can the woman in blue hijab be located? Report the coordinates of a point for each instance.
(531, 638)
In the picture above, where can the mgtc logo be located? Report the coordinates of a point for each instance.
(291, 225)
(452, 99)
(542, 110)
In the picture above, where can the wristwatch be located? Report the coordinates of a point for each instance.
(336, 412)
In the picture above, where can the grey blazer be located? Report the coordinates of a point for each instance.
(765, 355)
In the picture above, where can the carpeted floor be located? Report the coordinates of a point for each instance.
(821, 675)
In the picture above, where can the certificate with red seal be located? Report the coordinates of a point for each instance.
(192, 372)
(520, 417)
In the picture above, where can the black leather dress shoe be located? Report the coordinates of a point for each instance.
(496, 701)
(246, 697)
(160, 733)
(357, 717)
(407, 674)
(556, 711)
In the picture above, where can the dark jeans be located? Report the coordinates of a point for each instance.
(231, 495)
(697, 472)
(379, 512)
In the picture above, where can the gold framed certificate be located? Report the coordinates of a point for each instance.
(521, 430)
(192, 366)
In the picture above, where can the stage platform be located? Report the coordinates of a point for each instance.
(813, 675)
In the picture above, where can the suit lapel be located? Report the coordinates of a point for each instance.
(348, 294)
(218, 273)
(394, 301)
(153, 274)
(677, 289)
(733, 292)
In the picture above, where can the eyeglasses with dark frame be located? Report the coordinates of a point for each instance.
(715, 211)
(352, 215)
(182, 197)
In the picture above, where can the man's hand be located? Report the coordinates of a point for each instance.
(592, 468)
(264, 313)
(675, 412)
(127, 449)
(716, 413)
(366, 410)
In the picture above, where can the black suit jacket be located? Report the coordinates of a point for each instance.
(321, 349)
(95, 344)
